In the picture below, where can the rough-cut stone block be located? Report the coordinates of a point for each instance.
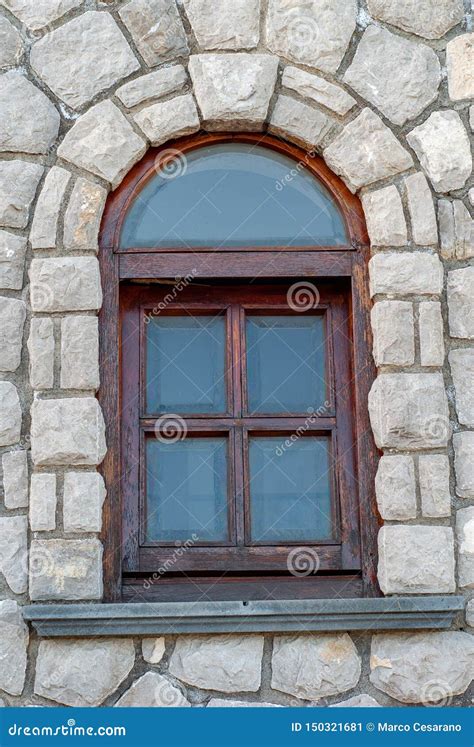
(233, 91)
(409, 411)
(460, 61)
(153, 649)
(462, 370)
(416, 560)
(318, 90)
(83, 57)
(12, 320)
(384, 215)
(12, 44)
(43, 502)
(156, 29)
(29, 123)
(314, 666)
(152, 86)
(357, 701)
(229, 24)
(421, 209)
(405, 273)
(456, 229)
(83, 216)
(152, 690)
(84, 494)
(431, 20)
(18, 183)
(80, 352)
(65, 569)
(461, 302)
(299, 122)
(394, 334)
(13, 647)
(227, 703)
(395, 487)
(65, 284)
(14, 552)
(15, 479)
(366, 151)
(67, 431)
(40, 13)
(12, 260)
(470, 613)
(103, 142)
(465, 543)
(422, 667)
(41, 353)
(10, 414)
(434, 485)
(447, 170)
(43, 234)
(464, 463)
(168, 119)
(431, 334)
(463, 230)
(82, 673)
(315, 33)
(400, 77)
(229, 663)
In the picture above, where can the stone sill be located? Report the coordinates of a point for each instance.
(388, 613)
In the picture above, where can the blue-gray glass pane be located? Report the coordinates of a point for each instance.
(286, 363)
(185, 364)
(290, 489)
(233, 195)
(187, 490)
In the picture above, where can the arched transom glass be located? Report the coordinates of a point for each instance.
(231, 195)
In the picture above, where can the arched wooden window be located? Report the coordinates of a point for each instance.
(235, 372)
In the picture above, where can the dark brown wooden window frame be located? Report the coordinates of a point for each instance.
(143, 269)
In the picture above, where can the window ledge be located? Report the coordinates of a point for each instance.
(388, 613)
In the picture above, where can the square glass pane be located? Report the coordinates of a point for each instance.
(286, 363)
(185, 364)
(290, 497)
(186, 490)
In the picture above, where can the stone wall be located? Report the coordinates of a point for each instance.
(382, 89)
